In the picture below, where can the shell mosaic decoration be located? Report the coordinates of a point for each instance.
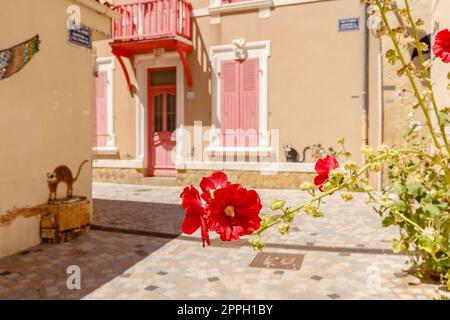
(15, 58)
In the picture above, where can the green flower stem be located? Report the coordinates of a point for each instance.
(414, 86)
(427, 75)
(419, 228)
(333, 190)
(296, 210)
(316, 198)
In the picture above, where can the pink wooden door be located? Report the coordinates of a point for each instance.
(101, 112)
(162, 122)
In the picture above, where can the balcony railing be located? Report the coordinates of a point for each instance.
(153, 19)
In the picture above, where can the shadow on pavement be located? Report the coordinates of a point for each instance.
(41, 272)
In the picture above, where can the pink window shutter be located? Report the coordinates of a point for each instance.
(229, 107)
(101, 109)
(249, 102)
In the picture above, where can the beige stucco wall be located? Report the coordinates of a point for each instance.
(46, 112)
(314, 74)
(314, 71)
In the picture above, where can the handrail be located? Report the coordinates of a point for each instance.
(151, 19)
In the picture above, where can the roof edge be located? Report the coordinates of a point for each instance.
(94, 5)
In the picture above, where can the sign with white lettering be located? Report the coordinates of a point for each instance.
(81, 36)
(348, 24)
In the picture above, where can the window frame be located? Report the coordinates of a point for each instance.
(217, 54)
(108, 65)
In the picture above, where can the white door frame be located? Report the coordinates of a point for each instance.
(142, 63)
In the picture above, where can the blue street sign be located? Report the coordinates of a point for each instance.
(348, 24)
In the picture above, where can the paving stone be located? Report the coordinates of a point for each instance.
(213, 279)
(278, 272)
(151, 288)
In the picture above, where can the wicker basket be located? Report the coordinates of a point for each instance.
(71, 216)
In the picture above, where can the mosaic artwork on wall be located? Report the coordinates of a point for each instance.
(15, 58)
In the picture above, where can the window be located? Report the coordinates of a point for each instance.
(242, 84)
(163, 77)
(159, 113)
(239, 103)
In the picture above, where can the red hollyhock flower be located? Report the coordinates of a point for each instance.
(441, 47)
(209, 184)
(196, 216)
(233, 212)
(323, 168)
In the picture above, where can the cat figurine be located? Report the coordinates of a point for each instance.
(62, 174)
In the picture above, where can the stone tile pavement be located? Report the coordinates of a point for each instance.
(346, 256)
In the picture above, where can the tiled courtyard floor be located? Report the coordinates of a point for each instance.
(136, 251)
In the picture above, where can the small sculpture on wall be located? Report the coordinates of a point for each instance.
(317, 152)
(290, 153)
(62, 174)
(239, 49)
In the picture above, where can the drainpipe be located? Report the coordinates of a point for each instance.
(365, 80)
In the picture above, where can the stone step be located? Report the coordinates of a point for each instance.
(160, 181)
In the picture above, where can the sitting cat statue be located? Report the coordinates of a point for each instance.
(62, 174)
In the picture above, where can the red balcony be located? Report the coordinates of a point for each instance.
(153, 19)
(153, 24)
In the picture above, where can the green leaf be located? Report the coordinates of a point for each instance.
(415, 189)
(431, 208)
(428, 244)
(444, 118)
(398, 246)
(388, 221)
(399, 206)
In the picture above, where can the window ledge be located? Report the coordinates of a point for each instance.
(217, 7)
(122, 164)
(247, 150)
(264, 167)
(105, 150)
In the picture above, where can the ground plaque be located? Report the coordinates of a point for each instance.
(275, 260)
